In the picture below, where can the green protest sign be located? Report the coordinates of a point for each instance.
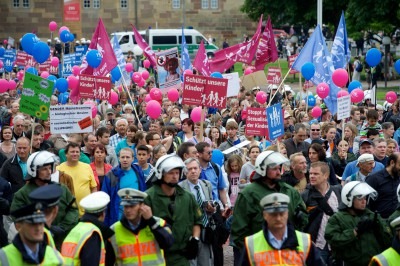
(35, 97)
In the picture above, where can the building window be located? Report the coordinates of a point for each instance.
(16, 3)
(214, 4)
(124, 3)
(176, 4)
(86, 3)
(25, 3)
(96, 3)
(204, 4)
(209, 4)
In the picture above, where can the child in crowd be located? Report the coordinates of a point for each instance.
(249, 167)
(233, 168)
(143, 156)
(372, 123)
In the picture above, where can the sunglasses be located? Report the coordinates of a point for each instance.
(315, 129)
(209, 152)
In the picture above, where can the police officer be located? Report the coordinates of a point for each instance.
(178, 207)
(391, 256)
(49, 196)
(151, 234)
(278, 243)
(85, 244)
(247, 218)
(28, 247)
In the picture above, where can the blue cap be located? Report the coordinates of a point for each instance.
(48, 195)
(32, 213)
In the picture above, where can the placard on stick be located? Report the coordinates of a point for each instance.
(94, 87)
(274, 75)
(343, 107)
(255, 79)
(256, 122)
(275, 121)
(70, 119)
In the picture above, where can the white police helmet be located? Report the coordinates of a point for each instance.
(166, 163)
(39, 159)
(268, 159)
(354, 189)
(398, 193)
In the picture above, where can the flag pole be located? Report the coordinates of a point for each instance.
(124, 86)
(280, 85)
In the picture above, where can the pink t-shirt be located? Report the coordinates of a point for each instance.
(234, 180)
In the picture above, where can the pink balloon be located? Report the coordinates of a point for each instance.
(173, 95)
(3, 85)
(55, 61)
(136, 77)
(146, 63)
(153, 109)
(391, 97)
(248, 71)
(145, 74)
(52, 26)
(316, 112)
(342, 93)
(188, 72)
(44, 74)
(323, 90)
(20, 75)
(156, 94)
(261, 97)
(196, 114)
(147, 98)
(141, 83)
(357, 95)
(119, 88)
(62, 29)
(73, 82)
(5, 41)
(12, 85)
(94, 111)
(76, 70)
(90, 103)
(340, 77)
(113, 98)
(1, 64)
(129, 67)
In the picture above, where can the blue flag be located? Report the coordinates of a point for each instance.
(121, 63)
(340, 48)
(185, 59)
(315, 51)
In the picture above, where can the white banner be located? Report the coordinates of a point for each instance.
(71, 119)
(233, 84)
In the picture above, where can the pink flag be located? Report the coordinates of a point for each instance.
(242, 52)
(145, 47)
(101, 43)
(201, 61)
(266, 51)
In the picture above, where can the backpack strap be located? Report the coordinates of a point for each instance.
(216, 168)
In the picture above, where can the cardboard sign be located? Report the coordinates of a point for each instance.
(94, 87)
(256, 122)
(274, 75)
(205, 91)
(233, 84)
(23, 58)
(35, 96)
(275, 121)
(292, 58)
(255, 79)
(168, 69)
(343, 107)
(45, 66)
(71, 119)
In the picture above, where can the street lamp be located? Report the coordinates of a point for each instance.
(386, 43)
(138, 53)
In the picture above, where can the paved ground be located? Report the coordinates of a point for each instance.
(228, 255)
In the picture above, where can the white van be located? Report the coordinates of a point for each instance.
(164, 39)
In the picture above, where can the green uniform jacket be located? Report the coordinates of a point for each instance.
(182, 214)
(354, 250)
(248, 218)
(67, 217)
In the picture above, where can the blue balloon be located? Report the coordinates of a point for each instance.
(62, 85)
(2, 51)
(32, 70)
(308, 70)
(355, 84)
(63, 98)
(41, 52)
(373, 57)
(217, 157)
(52, 78)
(93, 57)
(397, 66)
(28, 41)
(116, 73)
(71, 37)
(216, 75)
(65, 36)
(311, 100)
(8, 68)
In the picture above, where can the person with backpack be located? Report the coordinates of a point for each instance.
(358, 67)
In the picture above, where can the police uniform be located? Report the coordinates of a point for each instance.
(17, 254)
(149, 237)
(391, 256)
(296, 248)
(85, 244)
(49, 196)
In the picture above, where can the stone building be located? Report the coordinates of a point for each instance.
(217, 18)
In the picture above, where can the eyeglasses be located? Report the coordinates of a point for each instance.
(207, 152)
(314, 129)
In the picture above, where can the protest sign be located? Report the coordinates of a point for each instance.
(24, 59)
(233, 84)
(68, 62)
(205, 91)
(45, 66)
(10, 56)
(168, 69)
(274, 75)
(343, 107)
(71, 119)
(255, 79)
(292, 58)
(80, 52)
(256, 122)
(94, 87)
(275, 121)
(35, 96)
